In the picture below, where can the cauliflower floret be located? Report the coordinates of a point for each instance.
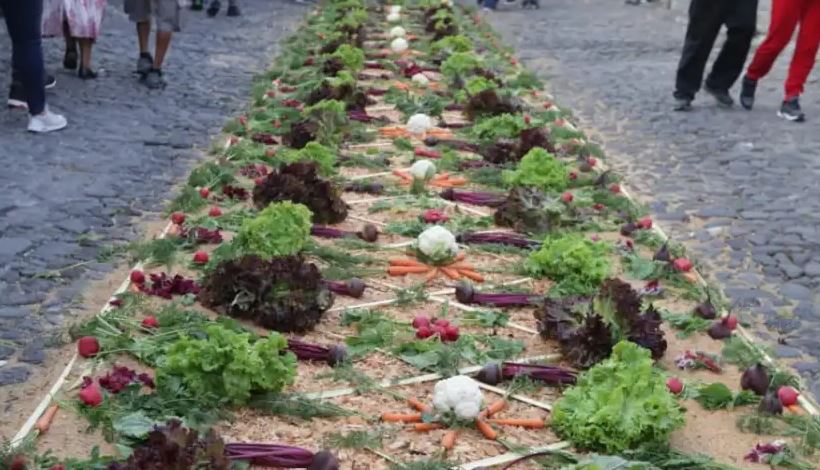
(459, 394)
(399, 45)
(421, 79)
(437, 241)
(419, 123)
(423, 169)
(395, 9)
(397, 32)
(393, 18)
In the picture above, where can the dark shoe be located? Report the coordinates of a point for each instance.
(213, 8)
(682, 104)
(721, 96)
(154, 80)
(144, 64)
(51, 82)
(87, 74)
(197, 5)
(17, 97)
(233, 10)
(747, 93)
(70, 59)
(790, 111)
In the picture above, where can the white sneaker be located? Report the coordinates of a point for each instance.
(46, 122)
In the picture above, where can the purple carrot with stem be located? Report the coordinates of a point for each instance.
(475, 198)
(495, 373)
(466, 294)
(333, 355)
(497, 238)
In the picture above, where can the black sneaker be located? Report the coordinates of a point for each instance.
(721, 96)
(144, 64)
(154, 80)
(213, 8)
(790, 111)
(51, 82)
(682, 104)
(197, 5)
(17, 97)
(233, 10)
(747, 93)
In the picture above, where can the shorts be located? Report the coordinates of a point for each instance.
(165, 13)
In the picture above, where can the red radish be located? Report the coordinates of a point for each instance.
(450, 333)
(277, 124)
(674, 385)
(270, 153)
(271, 94)
(598, 206)
(527, 118)
(615, 188)
(57, 467)
(567, 197)
(215, 212)
(559, 122)
(421, 320)
(630, 244)
(787, 396)
(682, 264)
(204, 192)
(573, 175)
(547, 105)
(178, 218)
(137, 277)
(19, 462)
(592, 161)
(441, 322)
(200, 257)
(150, 322)
(91, 395)
(88, 346)
(259, 181)
(424, 332)
(645, 223)
(730, 321)
(243, 120)
(233, 140)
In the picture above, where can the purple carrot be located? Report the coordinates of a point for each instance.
(333, 355)
(276, 455)
(353, 287)
(495, 373)
(498, 238)
(376, 91)
(359, 115)
(473, 164)
(454, 107)
(371, 64)
(455, 125)
(369, 232)
(369, 188)
(466, 294)
(474, 197)
(462, 145)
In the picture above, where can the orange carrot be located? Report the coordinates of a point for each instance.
(449, 439)
(401, 86)
(404, 262)
(431, 275)
(459, 256)
(442, 176)
(402, 174)
(472, 275)
(796, 409)
(451, 273)
(486, 429)
(466, 266)
(405, 270)
(45, 420)
(521, 422)
(401, 418)
(423, 427)
(493, 408)
(457, 181)
(418, 405)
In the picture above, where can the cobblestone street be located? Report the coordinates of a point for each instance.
(740, 187)
(70, 194)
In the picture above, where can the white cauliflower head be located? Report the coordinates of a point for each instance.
(423, 169)
(459, 394)
(399, 45)
(419, 123)
(421, 79)
(397, 32)
(393, 18)
(395, 9)
(437, 242)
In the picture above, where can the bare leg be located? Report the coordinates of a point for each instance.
(85, 52)
(143, 31)
(163, 42)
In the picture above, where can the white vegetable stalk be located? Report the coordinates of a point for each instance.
(397, 32)
(423, 169)
(420, 79)
(393, 18)
(437, 242)
(419, 123)
(399, 45)
(459, 395)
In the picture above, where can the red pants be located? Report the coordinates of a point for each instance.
(786, 14)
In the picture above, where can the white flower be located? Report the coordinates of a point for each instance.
(397, 32)
(419, 123)
(423, 169)
(399, 45)
(421, 79)
(449, 3)
(396, 9)
(393, 18)
(437, 241)
(459, 394)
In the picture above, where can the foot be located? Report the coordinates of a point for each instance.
(145, 63)
(70, 60)
(790, 110)
(747, 93)
(46, 122)
(233, 10)
(17, 98)
(51, 82)
(197, 5)
(213, 8)
(154, 80)
(722, 97)
(87, 73)
(682, 104)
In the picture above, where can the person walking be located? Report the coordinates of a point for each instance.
(80, 22)
(233, 8)
(166, 16)
(786, 15)
(24, 21)
(706, 17)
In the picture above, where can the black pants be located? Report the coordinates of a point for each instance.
(23, 19)
(706, 17)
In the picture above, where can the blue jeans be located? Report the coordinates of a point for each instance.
(23, 20)
(490, 4)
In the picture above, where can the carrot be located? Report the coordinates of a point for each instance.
(457, 181)
(466, 266)
(451, 273)
(459, 256)
(402, 175)
(424, 427)
(521, 422)
(431, 275)
(472, 275)
(449, 439)
(796, 409)
(401, 86)
(418, 405)
(401, 418)
(493, 408)
(45, 420)
(405, 270)
(404, 262)
(441, 176)
(486, 429)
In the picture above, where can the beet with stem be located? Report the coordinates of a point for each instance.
(475, 198)
(495, 373)
(333, 355)
(353, 287)
(466, 294)
(756, 379)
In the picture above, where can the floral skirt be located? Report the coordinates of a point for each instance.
(84, 17)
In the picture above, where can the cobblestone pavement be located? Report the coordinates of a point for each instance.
(740, 187)
(68, 195)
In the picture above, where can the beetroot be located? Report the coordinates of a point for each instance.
(674, 385)
(730, 321)
(706, 310)
(424, 332)
(420, 321)
(204, 192)
(573, 175)
(91, 395)
(88, 346)
(200, 257)
(645, 223)
(787, 396)
(164, 286)
(137, 277)
(434, 216)
(719, 330)
(441, 322)
(682, 265)
(770, 404)
(150, 322)
(178, 218)
(567, 197)
(215, 212)
(615, 188)
(369, 233)
(353, 287)
(450, 333)
(756, 379)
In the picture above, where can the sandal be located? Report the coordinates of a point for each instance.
(70, 59)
